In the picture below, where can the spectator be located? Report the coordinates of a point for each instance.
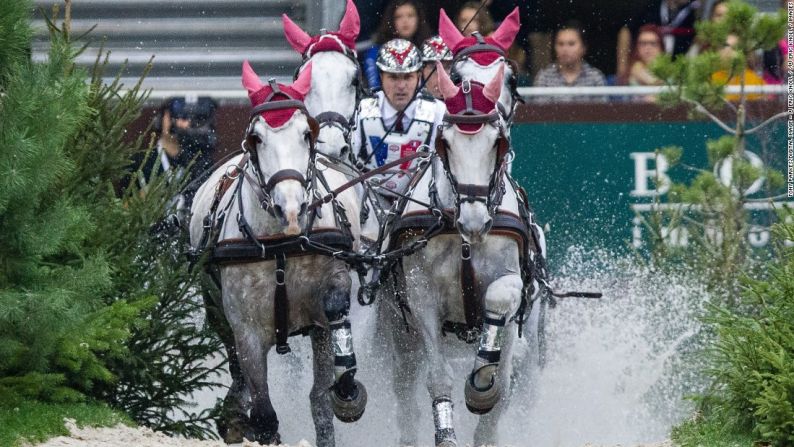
(402, 19)
(570, 69)
(718, 11)
(434, 49)
(482, 23)
(676, 19)
(187, 141)
(727, 53)
(775, 63)
(647, 47)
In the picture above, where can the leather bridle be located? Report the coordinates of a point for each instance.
(492, 194)
(262, 186)
(331, 118)
(483, 47)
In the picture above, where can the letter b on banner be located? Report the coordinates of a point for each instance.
(643, 173)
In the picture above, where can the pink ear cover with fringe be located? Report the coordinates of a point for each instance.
(258, 93)
(483, 97)
(503, 37)
(301, 41)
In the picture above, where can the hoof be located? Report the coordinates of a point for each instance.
(350, 410)
(233, 429)
(482, 400)
(268, 438)
(447, 443)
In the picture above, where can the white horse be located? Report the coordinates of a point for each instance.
(334, 96)
(478, 58)
(481, 251)
(258, 211)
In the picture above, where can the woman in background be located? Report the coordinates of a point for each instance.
(482, 23)
(570, 69)
(403, 19)
(647, 47)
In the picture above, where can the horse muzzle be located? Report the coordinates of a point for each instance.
(474, 230)
(292, 216)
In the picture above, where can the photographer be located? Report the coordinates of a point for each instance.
(187, 140)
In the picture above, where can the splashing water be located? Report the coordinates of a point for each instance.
(617, 372)
(618, 369)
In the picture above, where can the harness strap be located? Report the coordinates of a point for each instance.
(479, 48)
(212, 223)
(472, 305)
(485, 118)
(284, 174)
(261, 196)
(281, 304)
(227, 180)
(244, 250)
(331, 195)
(332, 117)
(473, 190)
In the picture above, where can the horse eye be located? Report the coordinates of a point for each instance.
(307, 136)
(257, 139)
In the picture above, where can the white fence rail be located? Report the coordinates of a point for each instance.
(239, 95)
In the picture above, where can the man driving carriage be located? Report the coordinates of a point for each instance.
(392, 124)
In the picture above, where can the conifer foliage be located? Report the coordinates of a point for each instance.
(93, 303)
(712, 210)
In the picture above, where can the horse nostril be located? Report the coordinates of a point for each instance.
(278, 211)
(303, 209)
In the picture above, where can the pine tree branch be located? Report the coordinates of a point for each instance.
(700, 108)
(764, 199)
(766, 123)
(728, 103)
(692, 168)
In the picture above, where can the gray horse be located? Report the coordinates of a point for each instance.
(262, 205)
(466, 183)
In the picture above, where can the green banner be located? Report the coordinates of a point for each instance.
(587, 181)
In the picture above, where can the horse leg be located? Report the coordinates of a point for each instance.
(439, 383)
(322, 414)
(253, 360)
(232, 421)
(348, 396)
(486, 432)
(406, 352)
(482, 390)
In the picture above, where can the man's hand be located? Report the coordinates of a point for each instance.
(168, 142)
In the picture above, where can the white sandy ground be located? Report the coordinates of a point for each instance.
(124, 436)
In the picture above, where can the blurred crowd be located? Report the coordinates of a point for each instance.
(575, 44)
(588, 48)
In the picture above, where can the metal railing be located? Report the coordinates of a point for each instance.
(226, 95)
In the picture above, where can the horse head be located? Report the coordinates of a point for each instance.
(472, 146)
(479, 58)
(280, 140)
(332, 98)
